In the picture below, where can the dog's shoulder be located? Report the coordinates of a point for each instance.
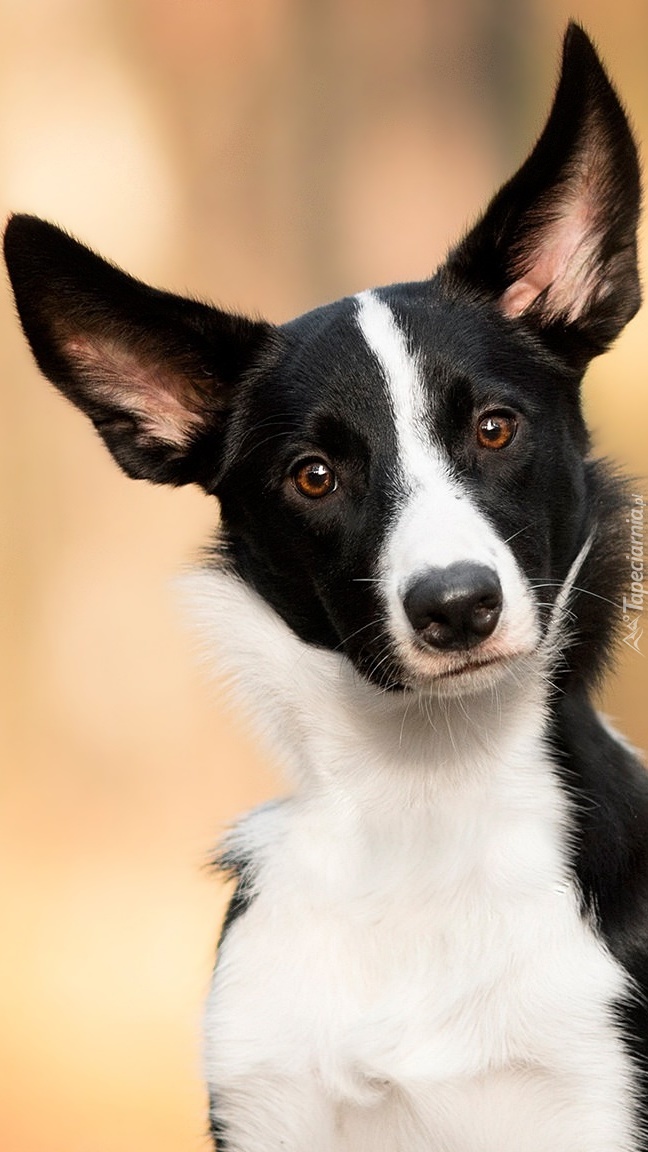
(609, 786)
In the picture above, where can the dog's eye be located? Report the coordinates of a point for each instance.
(496, 429)
(314, 478)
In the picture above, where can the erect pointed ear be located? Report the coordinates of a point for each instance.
(155, 373)
(557, 246)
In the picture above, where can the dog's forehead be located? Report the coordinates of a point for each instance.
(353, 353)
(451, 334)
(344, 354)
(326, 348)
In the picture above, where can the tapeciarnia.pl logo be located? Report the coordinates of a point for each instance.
(633, 600)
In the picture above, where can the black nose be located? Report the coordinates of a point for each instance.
(454, 607)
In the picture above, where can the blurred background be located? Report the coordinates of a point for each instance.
(270, 155)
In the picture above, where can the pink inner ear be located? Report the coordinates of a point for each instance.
(153, 392)
(564, 264)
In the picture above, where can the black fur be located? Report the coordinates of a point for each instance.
(217, 1127)
(241, 871)
(609, 790)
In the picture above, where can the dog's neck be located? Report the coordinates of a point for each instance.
(337, 734)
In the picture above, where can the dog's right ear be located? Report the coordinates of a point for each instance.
(556, 249)
(156, 373)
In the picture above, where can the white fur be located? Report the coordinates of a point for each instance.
(413, 973)
(557, 635)
(401, 372)
(437, 522)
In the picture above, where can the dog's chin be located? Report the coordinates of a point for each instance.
(465, 674)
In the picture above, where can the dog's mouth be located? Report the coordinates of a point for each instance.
(464, 674)
(470, 666)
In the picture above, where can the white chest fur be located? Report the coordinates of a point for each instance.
(432, 981)
(413, 972)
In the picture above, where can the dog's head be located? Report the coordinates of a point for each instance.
(403, 474)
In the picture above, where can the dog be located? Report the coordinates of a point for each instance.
(439, 938)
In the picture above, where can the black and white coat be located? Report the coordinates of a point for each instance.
(439, 938)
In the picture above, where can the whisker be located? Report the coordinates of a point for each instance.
(575, 588)
(275, 418)
(372, 623)
(518, 533)
(379, 661)
(402, 727)
(559, 607)
(267, 440)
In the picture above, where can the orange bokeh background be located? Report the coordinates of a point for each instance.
(270, 155)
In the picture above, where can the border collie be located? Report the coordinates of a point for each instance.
(439, 939)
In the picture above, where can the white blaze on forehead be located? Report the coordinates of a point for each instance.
(431, 493)
(402, 376)
(437, 523)
(430, 527)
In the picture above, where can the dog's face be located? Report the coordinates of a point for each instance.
(393, 481)
(402, 474)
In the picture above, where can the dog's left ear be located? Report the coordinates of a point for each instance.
(157, 374)
(557, 246)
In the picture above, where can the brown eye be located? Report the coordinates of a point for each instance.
(314, 478)
(496, 429)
